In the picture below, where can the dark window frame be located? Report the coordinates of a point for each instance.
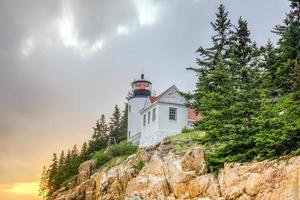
(172, 113)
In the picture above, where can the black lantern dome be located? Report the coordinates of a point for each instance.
(141, 87)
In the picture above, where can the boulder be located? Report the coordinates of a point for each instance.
(85, 171)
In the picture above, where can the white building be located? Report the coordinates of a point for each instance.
(152, 118)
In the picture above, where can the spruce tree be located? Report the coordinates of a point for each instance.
(61, 175)
(74, 160)
(115, 124)
(213, 85)
(53, 184)
(100, 136)
(43, 187)
(288, 64)
(68, 164)
(244, 78)
(123, 125)
(84, 152)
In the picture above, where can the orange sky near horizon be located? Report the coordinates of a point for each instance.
(20, 191)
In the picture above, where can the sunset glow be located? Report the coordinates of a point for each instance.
(30, 188)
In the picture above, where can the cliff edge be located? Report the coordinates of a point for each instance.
(164, 174)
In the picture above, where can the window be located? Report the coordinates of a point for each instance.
(128, 134)
(144, 120)
(149, 114)
(129, 108)
(154, 114)
(172, 113)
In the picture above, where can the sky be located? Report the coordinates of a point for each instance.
(63, 63)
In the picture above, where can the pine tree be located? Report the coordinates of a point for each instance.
(43, 187)
(61, 175)
(115, 124)
(100, 137)
(84, 152)
(269, 56)
(68, 164)
(53, 184)
(213, 86)
(74, 161)
(123, 125)
(289, 49)
(236, 136)
(208, 57)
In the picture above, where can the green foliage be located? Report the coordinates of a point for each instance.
(64, 169)
(101, 157)
(139, 165)
(249, 96)
(278, 127)
(123, 149)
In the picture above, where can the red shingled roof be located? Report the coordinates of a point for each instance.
(193, 116)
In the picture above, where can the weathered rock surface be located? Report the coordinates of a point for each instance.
(170, 176)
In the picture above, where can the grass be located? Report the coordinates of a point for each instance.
(184, 141)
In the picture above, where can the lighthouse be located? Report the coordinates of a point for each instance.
(140, 91)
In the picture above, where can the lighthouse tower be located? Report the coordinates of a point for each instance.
(141, 89)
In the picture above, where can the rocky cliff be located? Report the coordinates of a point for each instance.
(161, 173)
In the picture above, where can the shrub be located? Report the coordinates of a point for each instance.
(123, 149)
(139, 165)
(101, 157)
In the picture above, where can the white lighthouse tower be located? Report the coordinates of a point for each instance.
(141, 90)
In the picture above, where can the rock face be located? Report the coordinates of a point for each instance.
(168, 176)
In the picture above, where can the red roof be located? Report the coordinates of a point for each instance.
(193, 115)
(153, 99)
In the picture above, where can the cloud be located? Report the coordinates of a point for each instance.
(148, 11)
(84, 28)
(27, 47)
(122, 30)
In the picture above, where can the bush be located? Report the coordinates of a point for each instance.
(139, 165)
(101, 157)
(123, 149)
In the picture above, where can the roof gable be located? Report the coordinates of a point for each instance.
(171, 95)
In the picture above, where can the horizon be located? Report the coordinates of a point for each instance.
(64, 63)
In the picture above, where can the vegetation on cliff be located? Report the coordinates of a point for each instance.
(249, 96)
(64, 169)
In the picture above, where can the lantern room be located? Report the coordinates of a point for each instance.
(141, 88)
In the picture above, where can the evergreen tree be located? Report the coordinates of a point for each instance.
(236, 136)
(74, 160)
(212, 88)
(61, 175)
(84, 152)
(115, 124)
(269, 58)
(53, 184)
(100, 137)
(208, 57)
(124, 124)
(288, 64)
(68, 164)
(43, 187)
